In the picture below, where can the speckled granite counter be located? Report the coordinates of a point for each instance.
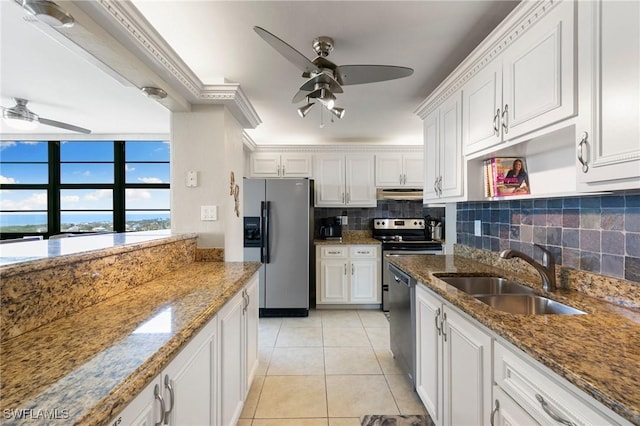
(599, 352)
(352, 238)
(94, 362)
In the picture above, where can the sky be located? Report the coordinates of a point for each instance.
(35, 171)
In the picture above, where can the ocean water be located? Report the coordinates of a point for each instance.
(16, 219)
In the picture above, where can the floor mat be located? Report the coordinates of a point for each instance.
(377, 420)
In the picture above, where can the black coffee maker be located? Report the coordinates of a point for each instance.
(330, 228)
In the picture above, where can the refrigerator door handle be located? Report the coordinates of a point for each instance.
(266, 213)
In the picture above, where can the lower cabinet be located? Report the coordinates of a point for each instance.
(347, 274)
(208, 381)
(453, 363)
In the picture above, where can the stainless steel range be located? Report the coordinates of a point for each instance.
(401, 236)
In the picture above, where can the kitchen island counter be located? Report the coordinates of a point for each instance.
(599, 352)
(87, 366)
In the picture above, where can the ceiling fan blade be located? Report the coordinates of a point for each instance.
(360, 74)
(299, 96)
(63, 125)
(291, 54)
(310, 84)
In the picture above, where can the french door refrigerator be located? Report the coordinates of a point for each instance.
(278, 231)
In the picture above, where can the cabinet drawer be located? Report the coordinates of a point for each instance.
(364, 251)
(528, 383)
(333, 251)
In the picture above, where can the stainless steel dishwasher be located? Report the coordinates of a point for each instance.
(402, 319)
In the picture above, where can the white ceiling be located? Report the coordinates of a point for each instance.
(215, 39)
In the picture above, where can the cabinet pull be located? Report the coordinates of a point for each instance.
(583, 141)
(345, 269)
(400, 178)
(551, 412)
(435, 186)
(404, 179)
(505, 119)
(352, 269)
(343, 198)
(496, 117)
(167, 385)
(348, 197)
(283, 170)
(494, 411)
(444, 318)
(278, 169)
(439, 191)
(436, 319)
(156, 393)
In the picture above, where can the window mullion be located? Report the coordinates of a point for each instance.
(53, 193)
(119, 187)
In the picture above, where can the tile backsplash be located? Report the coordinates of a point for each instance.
(599, 234)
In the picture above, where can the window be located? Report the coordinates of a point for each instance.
(83, 186)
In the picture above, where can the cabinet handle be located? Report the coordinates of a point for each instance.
(167, 385)
(505, 119)
(345, 269)
(248, 300)
(440, 186)
(496, 130)
(348, 197)
(278, 170)
(156, 393)
(435, 186)
(283, 170)
(404, 178)
(551, 412)
(343, 198)
(400, 178)
(444, 319)
(494, 411)
(436, 319)
(583, 141)
(352, 269)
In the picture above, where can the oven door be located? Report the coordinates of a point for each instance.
(387, 277)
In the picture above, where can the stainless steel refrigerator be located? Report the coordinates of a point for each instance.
(278, 231)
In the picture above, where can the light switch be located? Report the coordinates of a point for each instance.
(208, 213)
(192, 179)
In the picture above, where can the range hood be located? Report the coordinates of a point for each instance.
(398, 194)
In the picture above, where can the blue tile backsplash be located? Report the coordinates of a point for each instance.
(599, 234)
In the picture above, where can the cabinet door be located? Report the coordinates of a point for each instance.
(232, 360)
(609, 95)
(144, 410)
(189, 380)
(389, 170)
(431, 153)
(428, 353)
(364, 281)
(360, 182)
(296, 165)
(467, 368)
(265, 165)
(251, 319)
(482, 107)
(330, 182)
(413, 166)
(450, 147)
(508, 413)
(333, 282)
(538, 72)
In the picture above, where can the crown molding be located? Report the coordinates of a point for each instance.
(248, 143)
(523, 17)
(326, 149)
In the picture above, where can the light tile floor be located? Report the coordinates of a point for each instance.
(328, 369)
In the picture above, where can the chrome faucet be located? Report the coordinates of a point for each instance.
(547, 270)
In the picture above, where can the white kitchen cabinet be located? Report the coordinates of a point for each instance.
(529, 86)
(506, 412)
(453, 363)
(347, 275)
(608, 132)
(443, 152)
(267, 164)
(184, 392)
(400, 170)
(251, 327)
(344, 180)
(542, 394)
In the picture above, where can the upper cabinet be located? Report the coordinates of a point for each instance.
(400, 170)
(608, 132)
(344, 180)
(267, 165)
(528, 86)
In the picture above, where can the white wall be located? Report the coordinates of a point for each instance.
(207, 140)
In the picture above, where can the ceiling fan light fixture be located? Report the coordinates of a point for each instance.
(337, 111)
(48, 12)
(154, 92)
(304, 110)
(327, 98)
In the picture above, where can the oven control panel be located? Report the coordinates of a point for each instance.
(385, 223)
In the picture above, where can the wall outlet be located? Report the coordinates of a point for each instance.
(192, 179)
(208, 213)
(344, 220)
(477, 228)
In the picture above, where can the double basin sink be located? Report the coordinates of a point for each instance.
(508, 296)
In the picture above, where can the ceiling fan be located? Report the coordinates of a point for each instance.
(326, 78)
(23, 118)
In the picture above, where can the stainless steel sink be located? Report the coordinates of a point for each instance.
(527, 304)
(482, 285)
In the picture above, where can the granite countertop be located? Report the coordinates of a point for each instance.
(599, 352)
(94, 362)
(352, 238)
